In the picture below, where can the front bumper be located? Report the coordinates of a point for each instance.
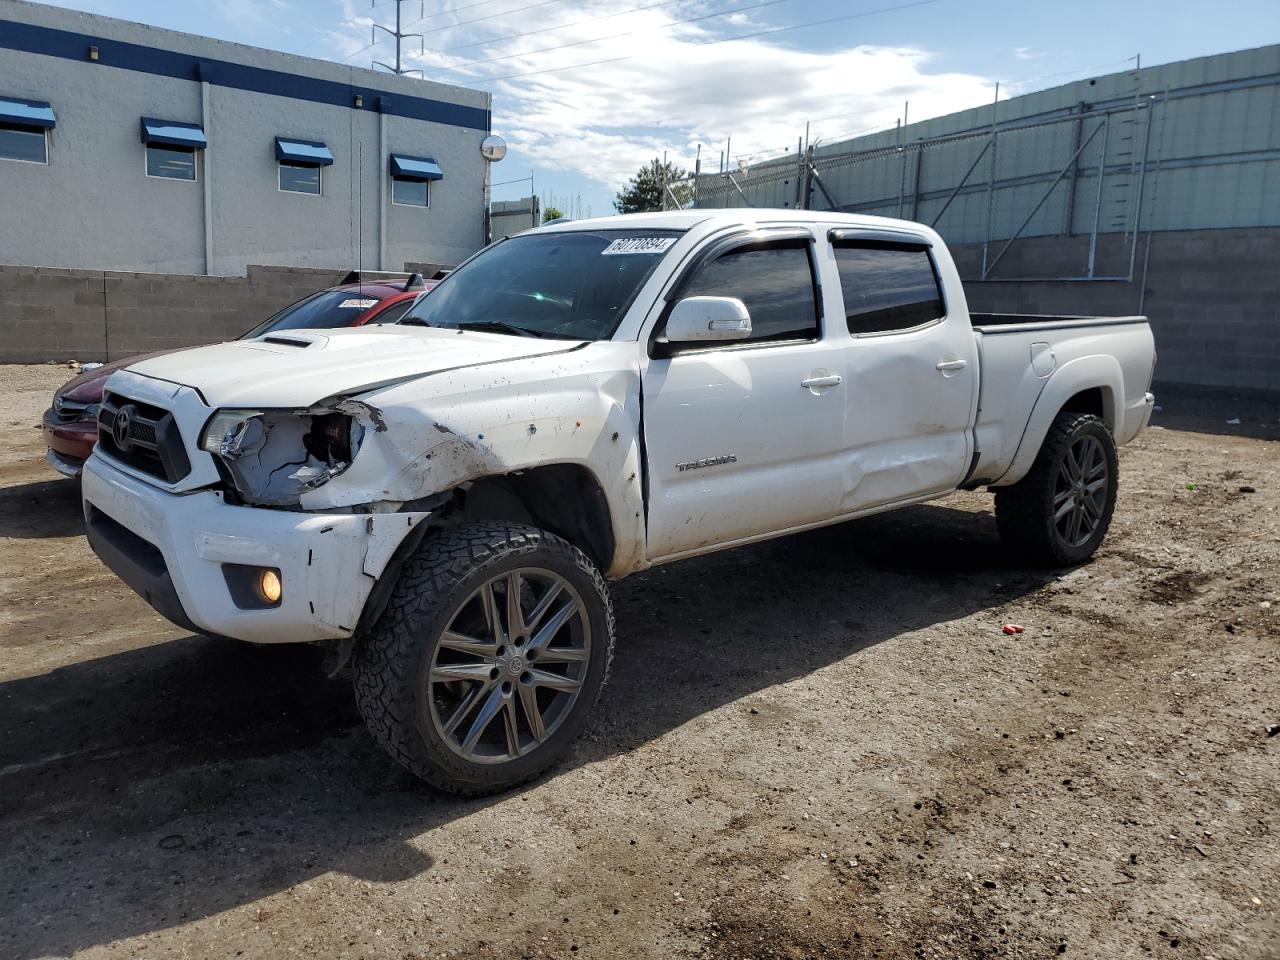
(69, 443)
(171, 549)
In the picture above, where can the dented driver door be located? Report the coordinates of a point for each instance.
(744, 439)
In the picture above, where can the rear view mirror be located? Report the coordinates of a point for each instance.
(702, 319)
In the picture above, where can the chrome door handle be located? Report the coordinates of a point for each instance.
(830, 380)
(948, 365)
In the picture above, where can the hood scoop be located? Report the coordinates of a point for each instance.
(288, 341)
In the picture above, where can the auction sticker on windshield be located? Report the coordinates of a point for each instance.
(361, 304)
(638, 245)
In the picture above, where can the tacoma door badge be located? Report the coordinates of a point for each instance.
(706, 462)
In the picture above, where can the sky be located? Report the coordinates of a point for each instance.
(587, 91)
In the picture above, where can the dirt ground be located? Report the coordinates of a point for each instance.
(822, 746)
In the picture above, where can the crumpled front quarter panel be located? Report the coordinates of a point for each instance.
(433, 433)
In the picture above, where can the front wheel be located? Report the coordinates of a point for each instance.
(484, 667)
(1059, 512)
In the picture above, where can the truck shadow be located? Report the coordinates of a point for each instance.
(146, 789)
(41, 509)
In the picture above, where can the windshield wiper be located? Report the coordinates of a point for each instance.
(498, 325)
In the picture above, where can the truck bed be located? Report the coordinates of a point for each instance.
(1020, 353)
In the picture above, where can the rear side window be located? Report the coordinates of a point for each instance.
(774, 280)
(886, 286)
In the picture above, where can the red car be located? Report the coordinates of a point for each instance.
(71, 424)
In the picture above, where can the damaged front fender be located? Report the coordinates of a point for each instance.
(440, 433)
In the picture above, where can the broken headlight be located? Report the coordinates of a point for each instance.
(229, 431)
(272, 457)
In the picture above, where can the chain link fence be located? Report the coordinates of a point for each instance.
(1074, 176)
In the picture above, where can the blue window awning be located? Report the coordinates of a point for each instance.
(27, 113)
(171, 133)
(405, 167)
(308, 153)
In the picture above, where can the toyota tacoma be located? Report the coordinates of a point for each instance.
(443, 502)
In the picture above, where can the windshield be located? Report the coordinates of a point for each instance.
(328, 308)
(574, 284)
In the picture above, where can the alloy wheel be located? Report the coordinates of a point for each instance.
(509, 666)
(1080, 491)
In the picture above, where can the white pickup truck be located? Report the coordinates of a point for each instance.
(443, 500)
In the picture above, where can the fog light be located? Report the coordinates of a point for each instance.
(269, 585)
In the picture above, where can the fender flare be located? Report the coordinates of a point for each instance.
(1097, 372)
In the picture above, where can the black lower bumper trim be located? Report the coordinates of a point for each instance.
(138, 563)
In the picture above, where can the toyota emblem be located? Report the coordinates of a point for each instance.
(120, 427)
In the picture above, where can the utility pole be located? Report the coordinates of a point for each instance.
(400, 36)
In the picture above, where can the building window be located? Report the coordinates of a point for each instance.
(299, 178)
(411, 178)
(24, 129)
(171, 163)
(300, 165)
(171, 148)
(23, 143)
(410, 193)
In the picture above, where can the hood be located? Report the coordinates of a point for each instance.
(87, 387)
(296, 368)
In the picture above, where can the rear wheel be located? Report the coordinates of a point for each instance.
(485, 665)
(1059, 512)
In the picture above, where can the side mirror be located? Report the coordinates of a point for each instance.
(702, 319)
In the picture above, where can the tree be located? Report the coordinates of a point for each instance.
(551, 213)
(645, 191)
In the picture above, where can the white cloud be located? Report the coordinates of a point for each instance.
(671, 88)
(1025, 53)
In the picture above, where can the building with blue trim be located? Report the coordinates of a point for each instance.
(128, 147)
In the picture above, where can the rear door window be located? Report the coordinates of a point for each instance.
(887, 286)
(774, 280)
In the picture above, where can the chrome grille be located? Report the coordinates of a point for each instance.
(69, 411)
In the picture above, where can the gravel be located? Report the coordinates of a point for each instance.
(1096, 786)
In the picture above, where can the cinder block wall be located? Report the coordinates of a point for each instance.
(1213, 296)
(55, 314)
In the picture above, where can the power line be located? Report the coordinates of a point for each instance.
(491, 16)
(333, 31)
(465, 6)
(614, 36)
(463, 23)
(356, 53)
(699, 43)
(1067, 73)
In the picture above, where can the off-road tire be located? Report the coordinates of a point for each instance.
(1025, 510)
(391, 665)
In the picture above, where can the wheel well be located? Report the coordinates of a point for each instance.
(1095, 400)
(564, 498)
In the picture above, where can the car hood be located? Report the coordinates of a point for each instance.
(86, 386)
(297, 368)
